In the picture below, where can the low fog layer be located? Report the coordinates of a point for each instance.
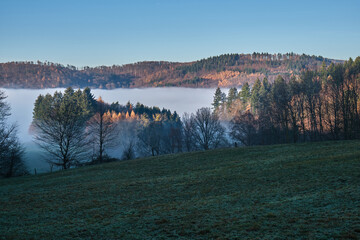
(180, 100)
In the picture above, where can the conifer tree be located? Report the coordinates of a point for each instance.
(245, 93)
(232, 96)
(218, 98)
(255, 95)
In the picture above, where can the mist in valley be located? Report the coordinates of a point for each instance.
(180, 100)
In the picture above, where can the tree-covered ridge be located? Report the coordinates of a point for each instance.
(318, 105)
(225, 70)
(251, 63)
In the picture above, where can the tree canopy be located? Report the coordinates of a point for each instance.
(317, 105)
(59, 122)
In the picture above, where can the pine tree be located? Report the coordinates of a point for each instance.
(232, 96)
(255, 95)
(245, 93)
(218, 98)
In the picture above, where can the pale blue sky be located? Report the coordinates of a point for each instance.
(107, 32)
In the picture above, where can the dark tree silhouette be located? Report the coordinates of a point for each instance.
(59, 123)
(103, 130)
(207, 130)
(11, 151)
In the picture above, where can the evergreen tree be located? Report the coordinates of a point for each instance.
(280, 110)
(232, 96)
(255, 95)
(218, 99)
(264, 102)
(245, 93)
(266, 84)
(318, 105)
(59, 123)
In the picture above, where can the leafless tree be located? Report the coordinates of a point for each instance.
(12, 163)
(64, 140)
(188, 129)
(129, 151)
(128, 138)
(150, 138)
(11, 151)
(244, 128)
(208, 132)
(173, 137)
(103, 130)
(4, 107)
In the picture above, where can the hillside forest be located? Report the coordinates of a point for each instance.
(228, 70)
(316, 106)
(75, 129)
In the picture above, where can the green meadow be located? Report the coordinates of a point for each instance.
(295, 191)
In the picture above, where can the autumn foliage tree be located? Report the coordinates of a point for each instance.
(200, 73)
(317, 105)
(103, 130)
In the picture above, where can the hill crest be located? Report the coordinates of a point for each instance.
(227, 70)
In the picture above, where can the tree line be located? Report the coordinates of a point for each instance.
(318, 105)
(256, 62)
(75, 129)
(154, 73)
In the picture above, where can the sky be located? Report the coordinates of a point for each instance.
(108, 32)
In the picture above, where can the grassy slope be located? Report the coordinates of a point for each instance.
(287, 191)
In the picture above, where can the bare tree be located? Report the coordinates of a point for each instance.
(103, 129)
(244, 128)
(173, 137)
(4, 107)
(12, 163)
(188, 129)
(11, 151)
(128, 139)
(162, 134)
(150, 138)
(129, 151)
(208, 132)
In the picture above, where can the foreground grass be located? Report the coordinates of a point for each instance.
(307, 191)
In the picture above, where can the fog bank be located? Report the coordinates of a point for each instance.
(176, 99)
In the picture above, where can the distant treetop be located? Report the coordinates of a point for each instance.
(227, 70)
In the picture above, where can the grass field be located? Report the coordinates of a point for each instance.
(302, 191)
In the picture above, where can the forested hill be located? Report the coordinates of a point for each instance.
(225, 71)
